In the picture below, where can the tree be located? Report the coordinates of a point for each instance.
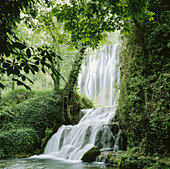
(85, 21)
(16, 56)
(88, 21)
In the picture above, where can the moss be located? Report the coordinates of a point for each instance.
(91, 155)
(143, 103)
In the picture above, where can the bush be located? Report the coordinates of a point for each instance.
(39, 113)
(17, 141)
(143, 105)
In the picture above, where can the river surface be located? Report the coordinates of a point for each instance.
(30, 163)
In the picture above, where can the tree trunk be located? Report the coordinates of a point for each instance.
(71, 84)
(73, 77)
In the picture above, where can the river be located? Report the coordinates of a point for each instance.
(31, 163)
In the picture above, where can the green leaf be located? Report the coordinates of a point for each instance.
(21, 83)
(16, 71)
(34, 67)
(30, 80)
(19, 45)
(26, 69)
(28, 51)
(32, 70)
(43, 70)
(10, 70)
(23, 77)
(7, 53)
(59, 57)
(37, 62)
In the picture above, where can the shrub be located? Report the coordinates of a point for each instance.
(39, 113)
(17, 141)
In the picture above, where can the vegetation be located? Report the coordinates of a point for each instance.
(27, 119)
(47, 36)
(143, 108)
(132, 159)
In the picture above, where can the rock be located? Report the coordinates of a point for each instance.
(91, 155)
(114, 126)
(123, 141)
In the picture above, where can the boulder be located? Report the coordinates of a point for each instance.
(91, 155)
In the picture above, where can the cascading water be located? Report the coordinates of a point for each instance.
(99, 75)
(71, 142)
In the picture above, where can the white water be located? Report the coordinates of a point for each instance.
(100, 73)
(71, 142)
(96, 81)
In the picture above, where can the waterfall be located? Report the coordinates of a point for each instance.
(96, 80)
(100, 73)
(71, 142)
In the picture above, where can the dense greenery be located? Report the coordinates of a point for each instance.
(18, 141)
(85, 22)
(28, 118)
(16, 57)
(143, 109)
(63, 31)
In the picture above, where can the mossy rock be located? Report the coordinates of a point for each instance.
(91, 155)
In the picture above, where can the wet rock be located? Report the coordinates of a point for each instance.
(91, 155)
(114, 128)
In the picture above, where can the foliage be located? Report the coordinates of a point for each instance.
(16, 56)
(131, 159)
(84, 22)
(18, 141)
(86, 102)
(10, 100)
(111, 159)
(143, 108)
(39, 113)
(89, 20)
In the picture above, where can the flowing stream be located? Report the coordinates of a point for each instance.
(48, 164)
(71, 142)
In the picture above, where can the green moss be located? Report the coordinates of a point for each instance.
(142, 163)
(91, 155)
(133, 159)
